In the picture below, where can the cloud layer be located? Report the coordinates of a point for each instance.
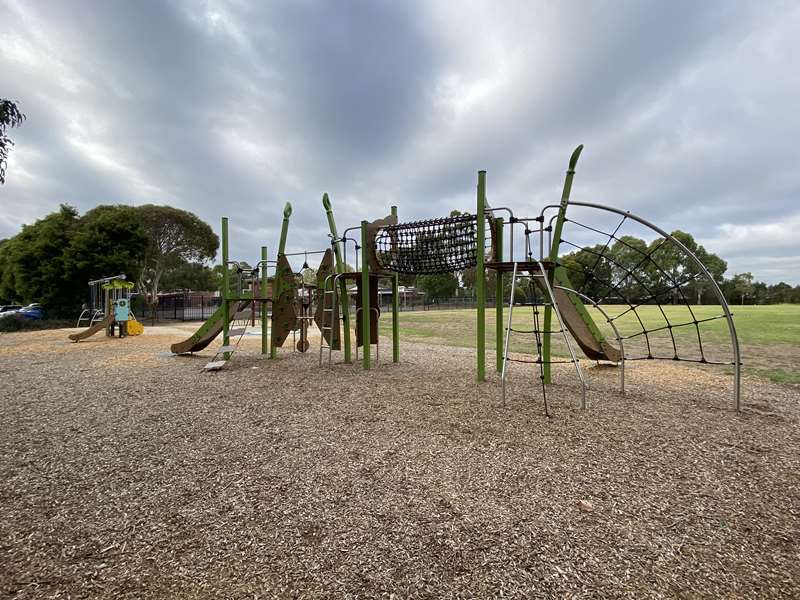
(687, 111)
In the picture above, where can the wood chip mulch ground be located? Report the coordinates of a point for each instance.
(129, 474)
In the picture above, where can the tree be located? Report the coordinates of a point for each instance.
(10, 116)
(174, 236)
(52, 260)
(33, 262)
(780, 293)
(590, 272)
(743, 285)
(108, 240)
(715, 266)
(628, 268)
(192, 276)
(438, 286)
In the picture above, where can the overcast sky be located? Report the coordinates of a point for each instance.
(688, 111)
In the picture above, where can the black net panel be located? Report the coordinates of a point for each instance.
(649, 291)
(531, 296)
(441, 245)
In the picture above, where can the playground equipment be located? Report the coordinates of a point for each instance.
(648, 277)
(587, 297)
(99, 295)
(109, 290)
(286, 306)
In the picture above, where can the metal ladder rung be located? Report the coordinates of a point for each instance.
(539, 359)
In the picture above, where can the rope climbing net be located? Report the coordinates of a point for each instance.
(443, 245)
(651, 291)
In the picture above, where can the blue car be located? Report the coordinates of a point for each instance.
(33, 312)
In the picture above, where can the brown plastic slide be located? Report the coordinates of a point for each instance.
(208, 330)
(581, 332)
(107, 321)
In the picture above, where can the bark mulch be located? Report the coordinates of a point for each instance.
(129, 474)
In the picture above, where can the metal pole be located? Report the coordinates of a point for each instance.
(563, 328)
(480, 278)
(504, 373)
(225, 284)
(395, 311)
(610, 321)
(498, 296)
(264, 292)
(365, 314)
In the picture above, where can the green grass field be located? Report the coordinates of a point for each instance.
(769, 336)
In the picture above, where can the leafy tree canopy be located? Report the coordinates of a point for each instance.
(51, 260)
(10, 116)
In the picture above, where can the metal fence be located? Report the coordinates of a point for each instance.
(194, 307)
(179, 307)
(423, 304)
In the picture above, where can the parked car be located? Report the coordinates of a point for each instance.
(9, 307)
(32, 311)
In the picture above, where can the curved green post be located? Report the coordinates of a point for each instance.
(559, 225)
(340, 268)
(498, 296)
(395, 311)
(366, 334)
(287, 212)
(264, 292)
(226, 309)
(480, 276)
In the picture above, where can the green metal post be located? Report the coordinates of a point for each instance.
(344, 305)
(480, 277)
(225, 287)
(395, 311)
(264, 292)
(498, 296)
(287, 212)
(559, 225)
(366, 336)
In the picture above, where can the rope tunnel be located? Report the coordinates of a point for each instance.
(443, 245)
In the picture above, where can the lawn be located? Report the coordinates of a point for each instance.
(769, 336)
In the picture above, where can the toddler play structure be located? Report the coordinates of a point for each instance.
(578, 267)
(105, 295)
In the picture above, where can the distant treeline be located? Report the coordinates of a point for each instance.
(52, 260)
(165, 249)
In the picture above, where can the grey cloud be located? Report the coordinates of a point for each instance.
(234, 108)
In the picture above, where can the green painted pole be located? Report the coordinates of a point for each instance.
(559, 225)
(395, 311)
(344, 305)
(287, 212)
(480, 277)
(225, 288)
(264, 292)
(366, 336)
(498, 297)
